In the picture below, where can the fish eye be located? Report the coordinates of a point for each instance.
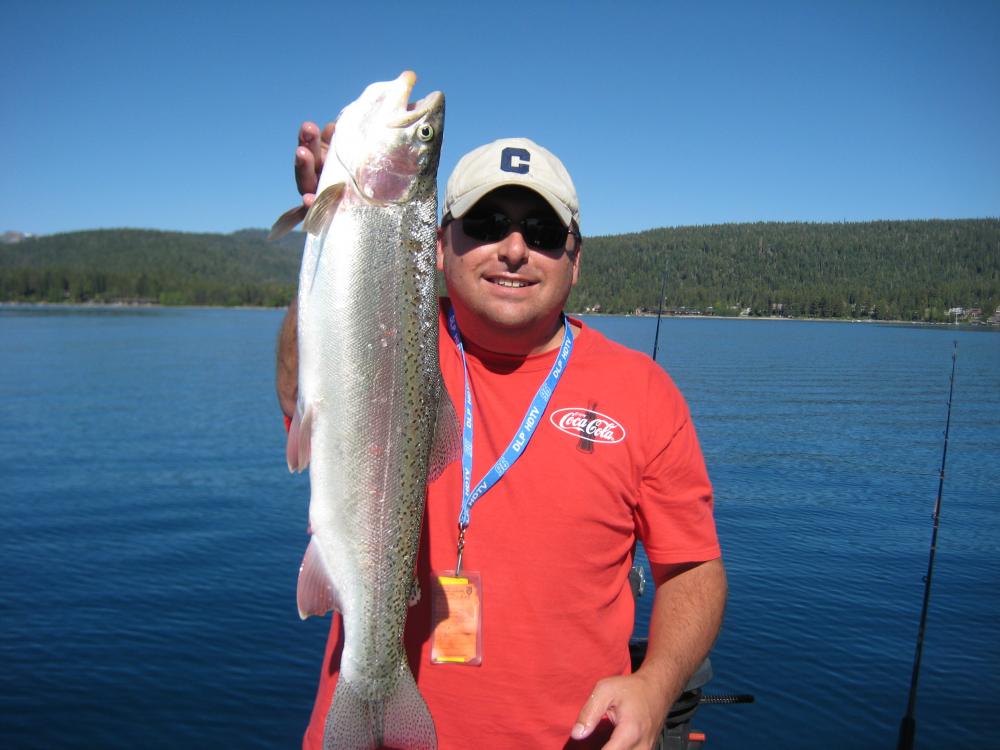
(425, 132)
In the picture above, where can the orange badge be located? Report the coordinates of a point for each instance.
(457, 612)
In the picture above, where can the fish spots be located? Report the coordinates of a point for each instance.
(413, 245)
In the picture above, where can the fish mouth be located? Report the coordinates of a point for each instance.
(413, 111)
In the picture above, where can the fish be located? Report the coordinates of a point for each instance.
(373, 422)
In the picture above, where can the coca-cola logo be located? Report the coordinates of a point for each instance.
(588, 425)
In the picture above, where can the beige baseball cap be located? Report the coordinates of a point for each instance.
(511, 161)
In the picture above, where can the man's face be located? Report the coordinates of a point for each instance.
(508, 295)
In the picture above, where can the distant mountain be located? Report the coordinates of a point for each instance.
(885, 270)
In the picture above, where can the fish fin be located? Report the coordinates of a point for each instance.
(299, 446)
(408, 721)
(287, 222)
(323, 208)
(351, 720)
(447, 444)
(315, 594)
(292, 446)
(401, 720)
(305, 438)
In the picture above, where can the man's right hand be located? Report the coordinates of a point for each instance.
(309, 158)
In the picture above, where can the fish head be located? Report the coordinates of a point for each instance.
(389, 145)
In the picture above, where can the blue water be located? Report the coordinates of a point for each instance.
(150, 535)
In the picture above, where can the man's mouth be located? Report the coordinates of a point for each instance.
(509, 283)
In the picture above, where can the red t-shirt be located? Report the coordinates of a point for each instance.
(614, 459)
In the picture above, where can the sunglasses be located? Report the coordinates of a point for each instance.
(542, 233)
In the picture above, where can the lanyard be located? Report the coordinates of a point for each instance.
(517, 444)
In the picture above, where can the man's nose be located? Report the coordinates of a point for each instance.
(513, 250)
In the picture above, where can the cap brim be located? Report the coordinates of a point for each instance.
(471, 198)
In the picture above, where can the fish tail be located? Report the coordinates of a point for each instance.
(399, 720)
(407, 721)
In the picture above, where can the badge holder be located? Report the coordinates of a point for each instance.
(457, 612)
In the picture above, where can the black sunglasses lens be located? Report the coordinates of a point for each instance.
(542, 233)
(486, 227)
(545, 234)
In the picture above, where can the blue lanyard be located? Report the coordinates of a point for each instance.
(517, 444)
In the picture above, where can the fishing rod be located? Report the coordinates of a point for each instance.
(676, 732)
(908, 726)
(659, 314)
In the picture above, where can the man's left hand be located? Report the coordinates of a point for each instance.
(686, 615)
(632, 703)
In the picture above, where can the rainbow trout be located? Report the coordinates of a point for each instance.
(369, 397)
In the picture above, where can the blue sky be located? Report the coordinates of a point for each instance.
(183, 115)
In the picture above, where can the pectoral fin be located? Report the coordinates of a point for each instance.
(287, 222)
(322, 210)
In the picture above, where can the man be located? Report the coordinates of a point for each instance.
(612, 458)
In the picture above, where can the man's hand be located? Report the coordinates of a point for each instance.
(634, 704)
(687, 613)
(309, 158)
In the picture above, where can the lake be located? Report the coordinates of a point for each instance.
(150, 535)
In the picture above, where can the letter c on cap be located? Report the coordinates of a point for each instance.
(508, 157)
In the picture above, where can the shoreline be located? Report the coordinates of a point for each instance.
(774, 318)
(131, 306)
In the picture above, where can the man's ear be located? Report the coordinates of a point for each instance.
(440, 249)
(576, 258)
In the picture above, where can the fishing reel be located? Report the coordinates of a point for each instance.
(677, 732)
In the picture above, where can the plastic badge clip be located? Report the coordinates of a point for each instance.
(461, 548)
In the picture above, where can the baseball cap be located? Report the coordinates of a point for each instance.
(511, 161)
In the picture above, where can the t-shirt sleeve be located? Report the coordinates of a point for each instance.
(674, 514)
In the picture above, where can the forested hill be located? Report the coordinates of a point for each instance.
(890, 270)
(138, 265)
